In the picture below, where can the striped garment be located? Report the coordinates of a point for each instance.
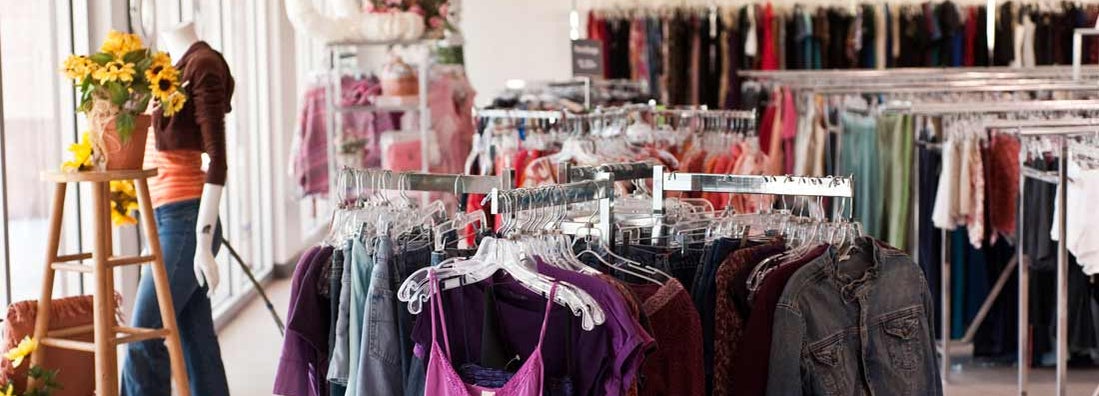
(179, 173)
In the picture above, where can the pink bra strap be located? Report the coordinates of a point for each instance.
(546, 317)
(437, 305)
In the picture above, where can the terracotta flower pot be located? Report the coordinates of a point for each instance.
(131, 154)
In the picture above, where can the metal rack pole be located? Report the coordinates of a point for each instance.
(1077, 49)
(331, 83)
(1024, 291)
(1062, 274)
(425, 111)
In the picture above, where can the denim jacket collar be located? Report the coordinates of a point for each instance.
(852, 284)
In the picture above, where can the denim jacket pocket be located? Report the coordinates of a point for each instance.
(830, 359)
(902, 340)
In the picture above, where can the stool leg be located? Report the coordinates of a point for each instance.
(106, 367)
(163, 290)
(42, 320)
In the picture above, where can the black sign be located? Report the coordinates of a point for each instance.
(587, 58)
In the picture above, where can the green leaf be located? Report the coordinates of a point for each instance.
(135, 56)
(143, 65)
(118, 93)
(102, 58)
(144, 103)
(125, 126)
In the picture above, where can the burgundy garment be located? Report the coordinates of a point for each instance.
(751, 362)
(675, 367)
(729, 321)
(200, 124)
(303, 366)
(766, 127)
(970, 37)
(1003, 183)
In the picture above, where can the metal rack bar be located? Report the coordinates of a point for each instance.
(437, 182)
(520, 114)
(600, 189)
(932, 88)
(941, 73)
(938, 109)
(747, 184)
(568, 173)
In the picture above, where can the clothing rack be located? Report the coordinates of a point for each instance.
(953, 80)
(1062, 255)
(938, 109)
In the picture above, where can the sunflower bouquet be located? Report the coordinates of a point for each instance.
(117, 84)
(46, 379)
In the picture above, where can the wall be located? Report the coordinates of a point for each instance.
(524, 39)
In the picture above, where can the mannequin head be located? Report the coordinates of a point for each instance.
(177, 39)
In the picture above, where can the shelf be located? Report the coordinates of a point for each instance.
(372, 108)
(386, 43)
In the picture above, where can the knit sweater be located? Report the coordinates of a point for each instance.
(200, 125)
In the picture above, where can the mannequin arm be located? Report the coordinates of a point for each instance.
(206, 267)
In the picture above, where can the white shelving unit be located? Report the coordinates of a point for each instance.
(337, 54)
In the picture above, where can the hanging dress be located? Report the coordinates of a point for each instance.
(443, 380)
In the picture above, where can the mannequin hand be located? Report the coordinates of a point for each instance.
(206, 268)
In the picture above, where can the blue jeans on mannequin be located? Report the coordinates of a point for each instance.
(147, 370)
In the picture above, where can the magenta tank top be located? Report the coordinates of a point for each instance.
(443, 380)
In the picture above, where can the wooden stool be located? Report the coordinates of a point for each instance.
(106, 332)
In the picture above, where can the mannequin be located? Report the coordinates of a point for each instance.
(177, 40)
(186, 196)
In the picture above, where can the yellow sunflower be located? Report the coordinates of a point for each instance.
(173, 103)
(79, 67)
(161, 58)
(125, 187)
(82, 155)
(164, 85)
(118, 43)
(17, 354)
(8, 391)
(121, 219)
(158, 71)
(115, 71)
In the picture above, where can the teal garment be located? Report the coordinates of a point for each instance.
(895, 142)
(859, 158)
(362, 266)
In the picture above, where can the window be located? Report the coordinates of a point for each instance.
(38, 124)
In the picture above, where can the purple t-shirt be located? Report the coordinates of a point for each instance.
(629, 341)
(567, 351)
(303, 366)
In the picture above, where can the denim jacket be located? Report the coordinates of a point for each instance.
(860, 326)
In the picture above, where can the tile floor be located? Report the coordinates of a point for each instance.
(251, 345)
